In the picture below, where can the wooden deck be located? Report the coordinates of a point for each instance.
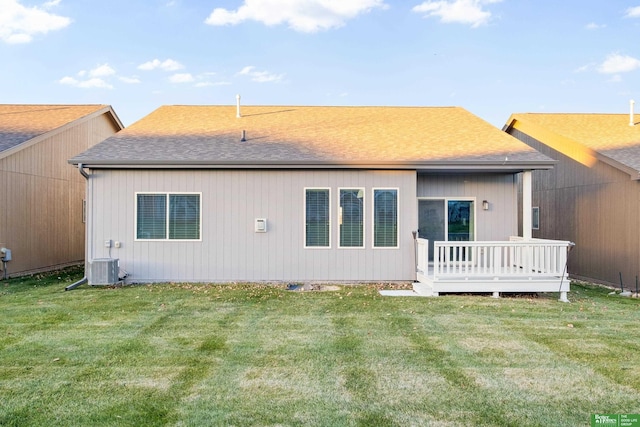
(517, 265)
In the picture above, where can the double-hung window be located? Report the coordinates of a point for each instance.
(317, 217)
(351, 217)
(385, 217)
(168, 216)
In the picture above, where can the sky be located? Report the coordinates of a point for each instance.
(491, 57)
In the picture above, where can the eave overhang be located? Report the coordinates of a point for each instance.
(504, 166)
(568, 147)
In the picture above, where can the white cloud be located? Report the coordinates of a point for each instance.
(181, 78)
(457, 11)
(166, 65)
(51, 4)
(260, 76)
(103, 70)
(129, 80)
(205, 80)
(594, 26)
(616, 63)
(583, 68)
(633, 12)
(96, 77)
(306, 16)
(18, 23)
(93, 82)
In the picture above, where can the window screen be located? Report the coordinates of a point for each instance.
(385, 218)
(351, 217)
(151, 216)
(317, 217)
(184, 216)
(168, 216)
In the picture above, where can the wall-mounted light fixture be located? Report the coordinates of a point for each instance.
(485, 205)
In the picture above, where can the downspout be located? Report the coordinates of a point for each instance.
(84, 278)
(83, 172)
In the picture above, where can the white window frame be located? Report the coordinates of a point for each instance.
(446, 212)
(373, 213)
(167, 194)
(304, 218)
(364, 225)
(535, 218)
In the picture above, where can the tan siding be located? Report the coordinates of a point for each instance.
(230, 250)
(595, 207)
(42, 198)
(500, 221)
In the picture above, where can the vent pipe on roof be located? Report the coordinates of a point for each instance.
(238, 106)
(631, 121)
(244, 136)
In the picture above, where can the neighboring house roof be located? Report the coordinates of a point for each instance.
(296, 136)
(586, 137)
(22, 123)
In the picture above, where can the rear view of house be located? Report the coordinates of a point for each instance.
(41, 199)
(592, 196)
(290, 193)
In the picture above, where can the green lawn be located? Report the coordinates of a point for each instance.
(254, 355)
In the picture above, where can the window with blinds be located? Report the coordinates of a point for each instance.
(167, 216)
(317, 219)
(385, 218)
(351, 217)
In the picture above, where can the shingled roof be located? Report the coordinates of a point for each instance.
(295, 136)
(608, 137)
(22, 123)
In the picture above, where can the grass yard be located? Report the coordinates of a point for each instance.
(254, 355)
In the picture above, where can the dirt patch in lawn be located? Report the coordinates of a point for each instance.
(312, 287)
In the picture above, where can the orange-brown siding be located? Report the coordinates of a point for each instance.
(42, 196)
(597, 207)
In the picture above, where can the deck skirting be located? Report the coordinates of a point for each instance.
(429, 287)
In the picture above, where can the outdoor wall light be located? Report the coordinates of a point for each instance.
(485, 205)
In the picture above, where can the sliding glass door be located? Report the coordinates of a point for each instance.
(446, 220)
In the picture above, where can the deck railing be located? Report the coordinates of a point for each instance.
(500, 259)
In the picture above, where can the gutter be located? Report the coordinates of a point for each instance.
(84, 278)
(494, 165)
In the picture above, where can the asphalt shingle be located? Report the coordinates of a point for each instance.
(20, 123)
(308, 135)
(609, 135)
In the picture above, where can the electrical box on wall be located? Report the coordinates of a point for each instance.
(261, 225)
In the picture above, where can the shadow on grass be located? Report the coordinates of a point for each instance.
(57, 278)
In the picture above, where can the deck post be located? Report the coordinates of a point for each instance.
(563, 297)
(527, 205)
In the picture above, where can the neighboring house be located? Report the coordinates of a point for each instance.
(289, 193)
(41, 198)
(592, 196)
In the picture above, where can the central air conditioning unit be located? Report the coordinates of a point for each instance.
(103, 271)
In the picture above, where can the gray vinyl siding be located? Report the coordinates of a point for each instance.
(230, 249)
(595, 207)
(497, 223)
